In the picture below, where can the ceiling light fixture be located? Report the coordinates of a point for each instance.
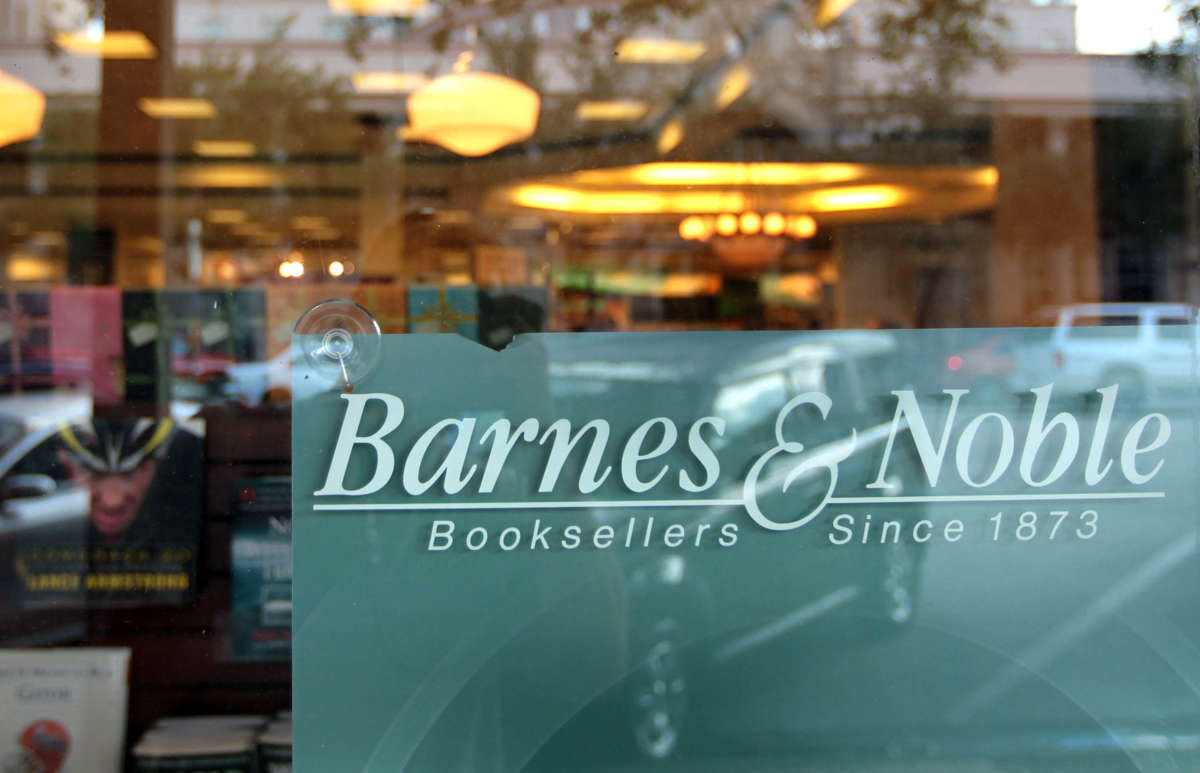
(230, 175)
(177, 107)
(659, 51)
(612, 110)
(830, 10)
(837, 192)
(116, 44)
(687, 173)
(736, 82)
(702, 228)
(857, 197)
(377, 7)
(748, 240)
(24, 108)
(670, 136)
(472, 113)
(630, 202)
(292, 268)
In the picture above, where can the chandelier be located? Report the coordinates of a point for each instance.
(748, 240)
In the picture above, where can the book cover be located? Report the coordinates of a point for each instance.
(262, 569)
(63, 710)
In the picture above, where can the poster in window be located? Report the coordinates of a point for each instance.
(102, 511)
(182, 345)
(63, 710)
(262, 569)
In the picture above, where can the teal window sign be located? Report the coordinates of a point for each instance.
(601, 551)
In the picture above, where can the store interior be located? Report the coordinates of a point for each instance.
(182, 180)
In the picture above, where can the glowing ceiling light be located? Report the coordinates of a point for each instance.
(227, 271)
(567, 198)
(802, 226)
(336, 268)
(725, 173)
(856, 198)
(624, 202)
(22, 108)
(614, 110)
(224, 148)
(830, 10)
(388, 82)
(473, 113)
(177, 107)
(727, 224)
(734, 85)
(877, 191)
(291, 268)
(225, 216)
(748, 241)
(988, 176)
(22, 267)
(659, 51)
(377, 7)
(747, 225)
(230, 176)
(115, 44)
(670, 136)
(546, 197)
(695, 228)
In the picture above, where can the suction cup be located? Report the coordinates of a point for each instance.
(341, 341)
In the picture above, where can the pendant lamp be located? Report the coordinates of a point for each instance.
(21, 110)
(472, 113)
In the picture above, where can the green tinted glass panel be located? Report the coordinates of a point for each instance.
(571, 554)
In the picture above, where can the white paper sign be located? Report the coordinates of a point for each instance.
(62, 710)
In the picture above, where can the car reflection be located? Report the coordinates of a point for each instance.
(1056, 653)
(694, 613)
(254, 383)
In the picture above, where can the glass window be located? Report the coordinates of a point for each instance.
(1176, 328)
(1102, 326)
(215, 29)
(925, 272)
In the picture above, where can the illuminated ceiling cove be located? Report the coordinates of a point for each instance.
(831, 192)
